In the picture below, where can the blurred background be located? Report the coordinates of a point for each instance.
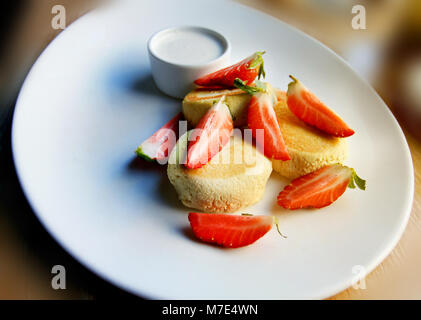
(387, 53)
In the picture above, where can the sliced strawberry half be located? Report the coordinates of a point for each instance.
(319, 188)
(246, 70)
(160, 144)
(228, 230)
(211, 134)
(261, 115)
(306, 106)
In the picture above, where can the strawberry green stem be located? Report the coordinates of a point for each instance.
(262, 72)
(258, 62)
(276, 221)
(240, 84)
(356, 180)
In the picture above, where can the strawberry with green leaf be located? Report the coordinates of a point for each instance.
(319, 188)
(159, 145)
(247, 70)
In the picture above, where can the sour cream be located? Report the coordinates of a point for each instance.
(189, 45)
(180, 55)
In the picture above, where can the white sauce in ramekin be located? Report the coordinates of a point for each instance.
(180, 55)
(188, 45)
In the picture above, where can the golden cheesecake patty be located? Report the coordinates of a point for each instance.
(233, 179)
(308, 147)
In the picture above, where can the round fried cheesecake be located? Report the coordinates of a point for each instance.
(233, 179)
(308, 147)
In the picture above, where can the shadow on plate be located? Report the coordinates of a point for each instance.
(139, 164)
(125, 76)
(167, 194)
(145, 85)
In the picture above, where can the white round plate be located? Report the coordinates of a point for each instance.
(89, 101)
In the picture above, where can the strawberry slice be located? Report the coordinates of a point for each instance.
(211, 134)
(246, 70)
(306, 106)
(261, 115)
(230, 230)
(159, 145)
(319, 188)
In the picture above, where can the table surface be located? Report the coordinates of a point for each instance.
(28, 253)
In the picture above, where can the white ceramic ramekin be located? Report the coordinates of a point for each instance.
(176, 79)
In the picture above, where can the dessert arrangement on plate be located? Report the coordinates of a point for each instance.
(240, 128)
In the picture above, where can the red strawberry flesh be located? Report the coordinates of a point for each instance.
(246, 70)
(319, 188)
(261, 115)
(306, 106)
(211, 134)
(229, 230)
